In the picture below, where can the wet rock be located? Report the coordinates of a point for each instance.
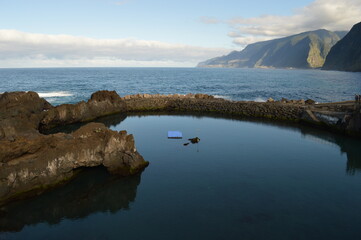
(310, 102)
(37, 163)
(101, 103)
(203, 96)
(31, 161)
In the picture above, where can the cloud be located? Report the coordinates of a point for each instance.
(20, 49)
(209, 20)
(320, 14)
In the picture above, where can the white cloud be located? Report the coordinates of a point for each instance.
(320, 14)
(20, 49)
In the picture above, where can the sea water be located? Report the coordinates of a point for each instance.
(243, 180)
(70, 85)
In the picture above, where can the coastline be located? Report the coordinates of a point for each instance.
(31, 161)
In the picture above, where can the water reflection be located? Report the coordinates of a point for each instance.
(347, 145)
(108, 121)
(94, 190)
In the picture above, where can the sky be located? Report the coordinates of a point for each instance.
(153, 33)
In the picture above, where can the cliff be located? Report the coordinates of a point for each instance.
(346, 54)
(304, 50)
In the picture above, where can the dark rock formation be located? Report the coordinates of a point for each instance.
(310, 101)
(346, 54)
(101, 103)
(277, 110)
(304, 50)
(31, 162)
(20, 113)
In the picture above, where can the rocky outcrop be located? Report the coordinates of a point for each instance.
(101, 103)
(34, 164)
(20, 113)
(31, 162)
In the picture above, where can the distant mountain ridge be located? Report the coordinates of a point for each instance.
(304, 50)
(346, 54)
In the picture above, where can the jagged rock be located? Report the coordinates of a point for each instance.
(20, 113)
(101, 103)
(310, 101)
(46, 160)
(203, 96)
(302, 102)
(270, 100)
(31, 161)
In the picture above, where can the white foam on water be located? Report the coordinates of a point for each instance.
(259, 99)
(221, 96)
(55, 94)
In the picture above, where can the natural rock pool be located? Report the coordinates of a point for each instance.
(243, 180)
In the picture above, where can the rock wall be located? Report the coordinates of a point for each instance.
(205, 103)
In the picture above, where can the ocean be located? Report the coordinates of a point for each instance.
(70, 85)
(244, 179)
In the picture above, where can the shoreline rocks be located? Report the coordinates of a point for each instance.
(31, 161)
(101, 103)
(35, 164)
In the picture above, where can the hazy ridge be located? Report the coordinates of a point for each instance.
(304, 50)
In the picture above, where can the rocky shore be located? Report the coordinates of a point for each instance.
(31, 162)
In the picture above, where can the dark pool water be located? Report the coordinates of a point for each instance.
(244, 180)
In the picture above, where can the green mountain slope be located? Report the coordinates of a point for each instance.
(304, 50)
(346, 54)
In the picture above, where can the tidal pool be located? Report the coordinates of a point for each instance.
(243, 180)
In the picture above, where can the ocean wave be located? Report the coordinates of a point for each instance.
(221, 96)
(259, 99)
(55, 94)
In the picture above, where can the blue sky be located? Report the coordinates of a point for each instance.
(169, 33)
